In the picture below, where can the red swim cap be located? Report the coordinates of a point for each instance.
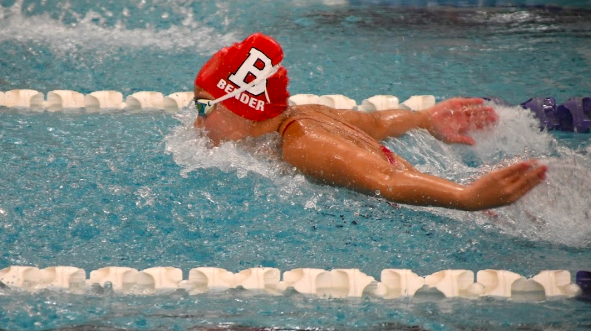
(240, 64)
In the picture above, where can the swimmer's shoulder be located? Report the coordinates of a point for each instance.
(309, 111)
(309, 108)
(307, 116)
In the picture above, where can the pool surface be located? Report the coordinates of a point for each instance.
(141, 189)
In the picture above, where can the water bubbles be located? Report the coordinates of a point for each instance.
(146, 197)
(311, 203)
(241, 173)
(191, 149)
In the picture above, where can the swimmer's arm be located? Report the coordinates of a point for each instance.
(498, 188)
(334, 160)
(448, 121)
(384, 124)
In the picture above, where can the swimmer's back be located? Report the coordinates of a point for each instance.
(312, 117)
(316, 119)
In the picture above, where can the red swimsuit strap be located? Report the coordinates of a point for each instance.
(389, 155)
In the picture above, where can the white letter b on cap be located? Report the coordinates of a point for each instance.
(240, 76)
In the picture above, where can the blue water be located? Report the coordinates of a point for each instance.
(142, 190)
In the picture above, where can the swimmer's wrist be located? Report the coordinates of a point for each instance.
(463, 199)
(457, 197)
(423, 119)
(468, 200)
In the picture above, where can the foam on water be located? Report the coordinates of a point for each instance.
(191, 149)
(557, 211)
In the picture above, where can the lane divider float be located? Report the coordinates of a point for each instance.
(337, 283)
(572, 115)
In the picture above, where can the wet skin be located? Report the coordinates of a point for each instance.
(326, 147)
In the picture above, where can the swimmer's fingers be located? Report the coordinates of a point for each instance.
(527, 181)
(465, 103)
(471, 101)
(475, 108)
(507, 177)
(481, 116)
(452, 119)
(461, 139)
(515, 171)
(516, 180)
(452, 134)
(503, 186)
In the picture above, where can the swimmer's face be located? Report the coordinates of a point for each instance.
(221, 124)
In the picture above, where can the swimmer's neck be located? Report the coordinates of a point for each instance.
(260, 128)
(223, 125)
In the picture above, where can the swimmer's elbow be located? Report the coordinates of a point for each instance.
(379, 129)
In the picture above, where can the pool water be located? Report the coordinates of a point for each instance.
(143, 190)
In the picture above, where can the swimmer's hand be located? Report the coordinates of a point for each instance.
(504, 186)
(450, 120)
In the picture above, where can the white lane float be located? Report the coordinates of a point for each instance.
(527, 290)
(341, 283)
(203, 279)
(104, 100)
(454, 283)
(122, 278)
(303, 280)
(159, 279)
(260, 278)
(337, 283)
(378, 103)
(22, 277)
(337, 101)
(144, 100)
(175, 101)
(572, 115)
(497, 283)
(395, 283)
(303, 99)
(62, 100)
(557, 283)
(68, 278)
(24, 98)
(418, 103)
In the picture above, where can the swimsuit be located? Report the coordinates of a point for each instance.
(389, 155)
(331, 123)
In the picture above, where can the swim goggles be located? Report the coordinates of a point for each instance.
(206, 106)
(203, 106)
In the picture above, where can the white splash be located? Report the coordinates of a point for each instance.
(191, 149)
(557, 210)
(90, 33)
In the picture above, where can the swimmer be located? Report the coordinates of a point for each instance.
(242, 91)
